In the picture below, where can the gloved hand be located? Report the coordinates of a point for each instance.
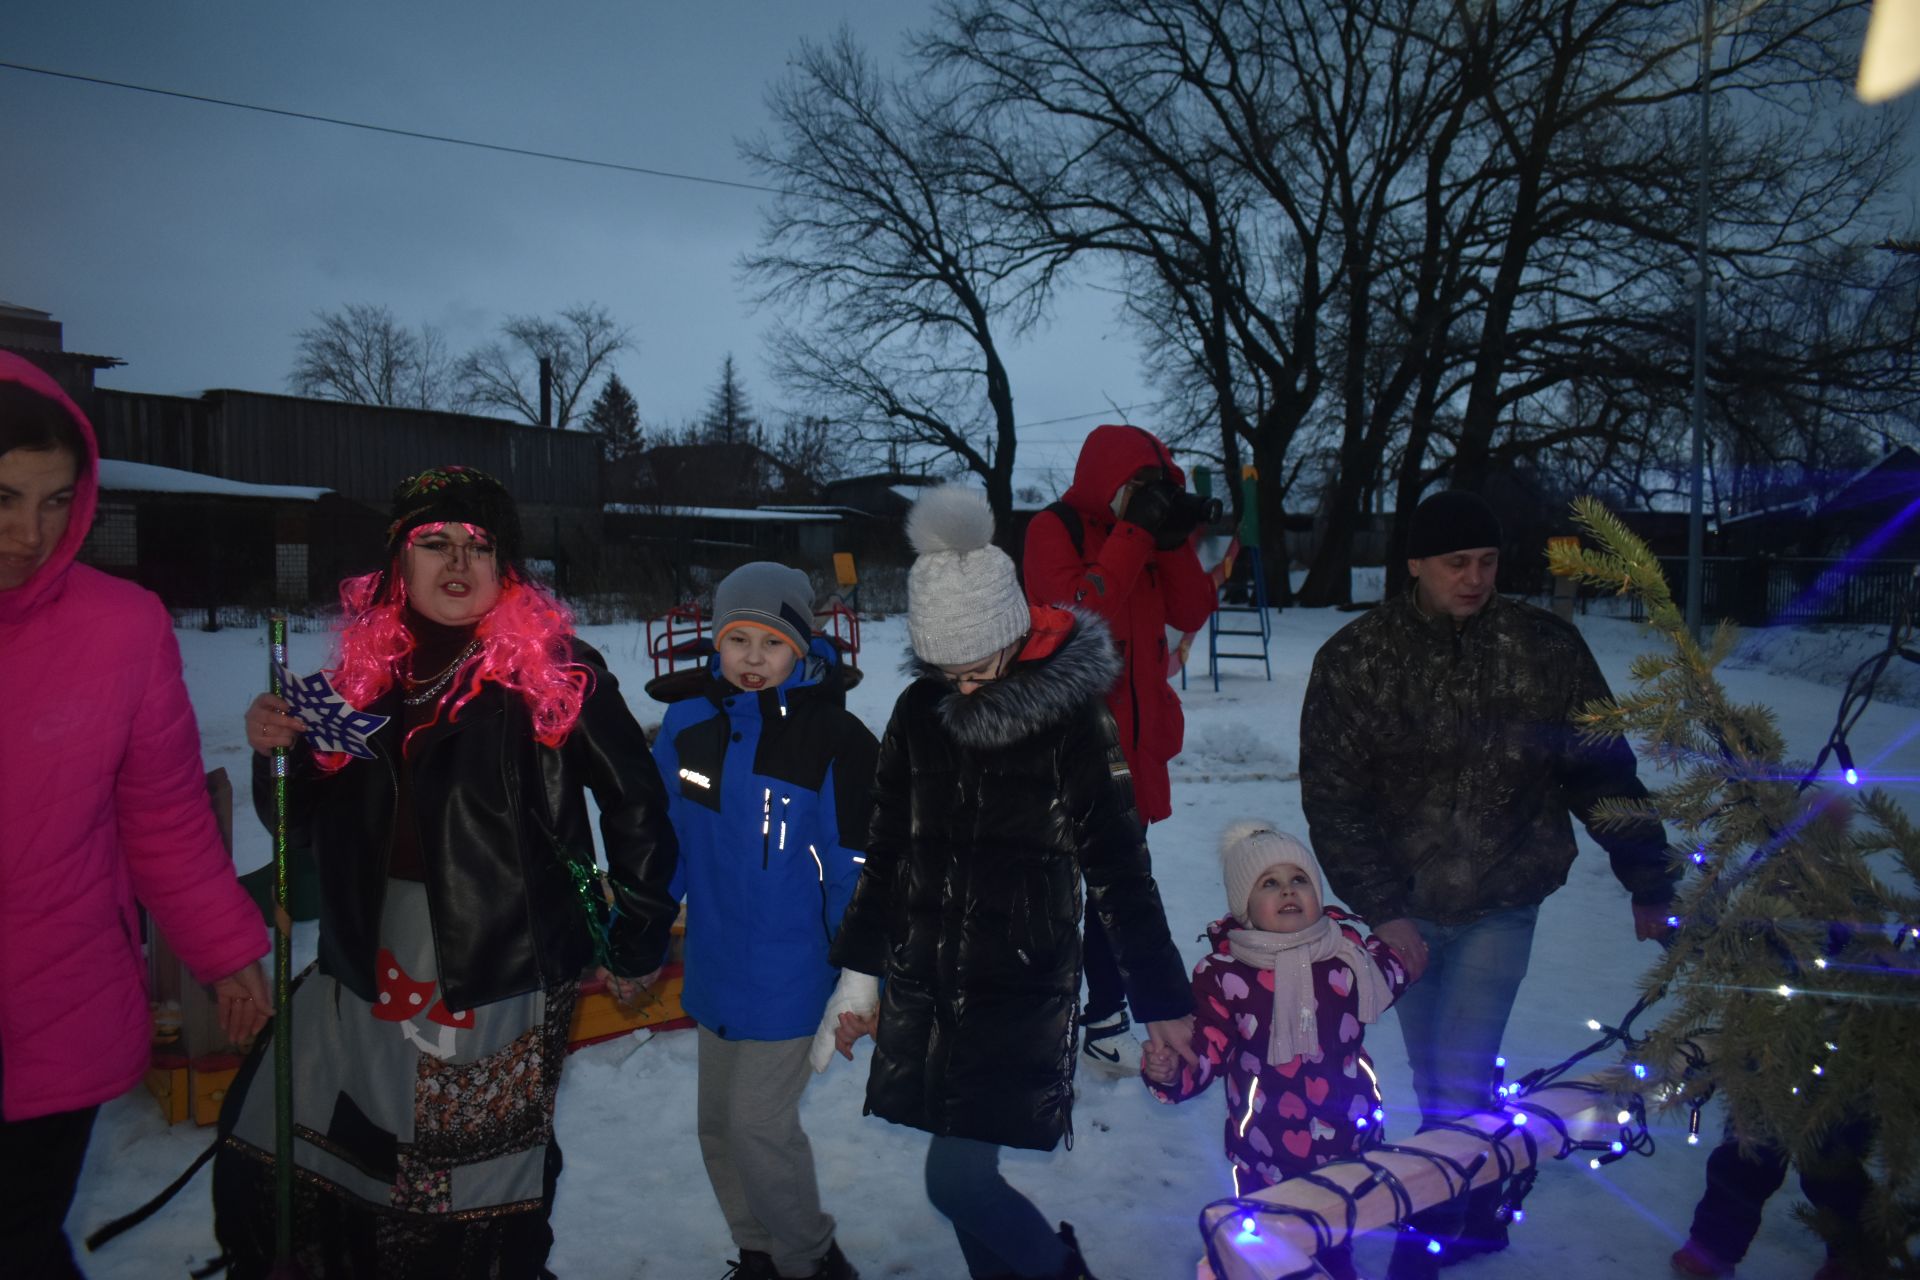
(1150, 507)
(854, 993)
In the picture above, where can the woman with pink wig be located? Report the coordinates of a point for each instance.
(460, 901)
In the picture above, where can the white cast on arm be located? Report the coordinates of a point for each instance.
(854, 993)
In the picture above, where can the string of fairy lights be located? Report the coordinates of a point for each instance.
(1511, 1100)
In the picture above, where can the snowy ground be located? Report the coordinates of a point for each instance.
(634, 1202)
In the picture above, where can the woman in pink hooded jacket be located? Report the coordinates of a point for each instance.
(101, 801)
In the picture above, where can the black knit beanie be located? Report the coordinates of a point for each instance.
(457, 495)
(1455, 520)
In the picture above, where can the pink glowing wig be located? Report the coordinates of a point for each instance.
(523, 648)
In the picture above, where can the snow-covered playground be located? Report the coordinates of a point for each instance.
(634, 1201)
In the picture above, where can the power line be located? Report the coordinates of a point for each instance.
(529, 152)
(395, 132)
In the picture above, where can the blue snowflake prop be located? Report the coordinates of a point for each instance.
(333, 723)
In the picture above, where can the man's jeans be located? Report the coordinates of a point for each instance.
(1453, 1018)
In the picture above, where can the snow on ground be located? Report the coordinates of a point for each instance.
(634, 1200)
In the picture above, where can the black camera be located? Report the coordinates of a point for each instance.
(1185, 513)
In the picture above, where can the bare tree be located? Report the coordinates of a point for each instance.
(362, 354)
(1440, 233)
(903, 278)
(504, 376)
(810, 446)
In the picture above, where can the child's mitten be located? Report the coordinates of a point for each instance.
(854, 993)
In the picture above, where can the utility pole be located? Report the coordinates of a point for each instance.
(1696, 519)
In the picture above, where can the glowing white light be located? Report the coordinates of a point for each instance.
(1820, 962)
(1625, 1117)
(1253, 1096)
(1819, 1070)
(1594, 1163)
(1693, 1139)
(1593, 1024)
(697, 779)
(1785, 991)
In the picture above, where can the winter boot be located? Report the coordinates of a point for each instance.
(1416, 1256)
(1484, 1231)
(1695, 1259)
(751, 1265)
(1075, 1267)
(834, 1266)
(1109, 1047)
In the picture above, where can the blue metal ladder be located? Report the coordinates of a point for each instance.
(1262, 627)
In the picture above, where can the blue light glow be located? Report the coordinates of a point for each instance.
(1433, 1246)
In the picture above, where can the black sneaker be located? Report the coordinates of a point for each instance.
(751, 1265)
(834, 1266)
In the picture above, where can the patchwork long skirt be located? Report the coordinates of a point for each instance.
(423, 1137)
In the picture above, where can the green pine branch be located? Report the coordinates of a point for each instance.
(1789, 962)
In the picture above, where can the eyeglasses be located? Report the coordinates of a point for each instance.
(986, 675)
(451, 551)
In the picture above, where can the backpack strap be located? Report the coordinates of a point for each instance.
(1075, 527)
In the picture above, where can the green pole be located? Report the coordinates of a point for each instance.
(1249, 507)
(282, 982)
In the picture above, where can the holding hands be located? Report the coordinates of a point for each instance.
(853, 1010)
(244, 1003)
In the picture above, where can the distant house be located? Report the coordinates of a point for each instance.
(37, 336)
(1875, 513)
(362, 451)
(708, 475)
(199, 541)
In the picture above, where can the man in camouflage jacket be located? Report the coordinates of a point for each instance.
(1439, 768)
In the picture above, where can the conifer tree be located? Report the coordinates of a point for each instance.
(1793, 968)
(616, 416)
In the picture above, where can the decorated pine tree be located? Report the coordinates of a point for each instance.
(1792, 988)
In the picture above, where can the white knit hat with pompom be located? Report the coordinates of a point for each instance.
(1252, 845)
(964, 601)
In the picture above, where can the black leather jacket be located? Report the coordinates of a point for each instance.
(500, 819)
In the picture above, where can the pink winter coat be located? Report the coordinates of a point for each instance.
(102, 799)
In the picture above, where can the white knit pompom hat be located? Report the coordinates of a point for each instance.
(964, 601)
(1249, 847)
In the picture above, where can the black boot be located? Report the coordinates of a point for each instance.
(1075, 1267)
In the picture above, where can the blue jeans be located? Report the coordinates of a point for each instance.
(1000, 1231)
(1453, 1018)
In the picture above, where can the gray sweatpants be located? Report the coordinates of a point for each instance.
(758, 1158)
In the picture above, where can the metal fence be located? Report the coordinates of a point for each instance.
(1764, 591)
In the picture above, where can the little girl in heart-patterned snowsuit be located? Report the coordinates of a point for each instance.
(1281, 1004)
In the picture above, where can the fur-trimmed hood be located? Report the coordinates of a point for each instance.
(1036, 694)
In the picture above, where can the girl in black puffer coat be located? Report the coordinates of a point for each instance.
(1000, 788)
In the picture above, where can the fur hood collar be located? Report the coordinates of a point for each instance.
(1035, 694)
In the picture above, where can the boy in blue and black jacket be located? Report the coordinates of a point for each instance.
(769, 779)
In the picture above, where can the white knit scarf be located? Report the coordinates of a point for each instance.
(1291, 957)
